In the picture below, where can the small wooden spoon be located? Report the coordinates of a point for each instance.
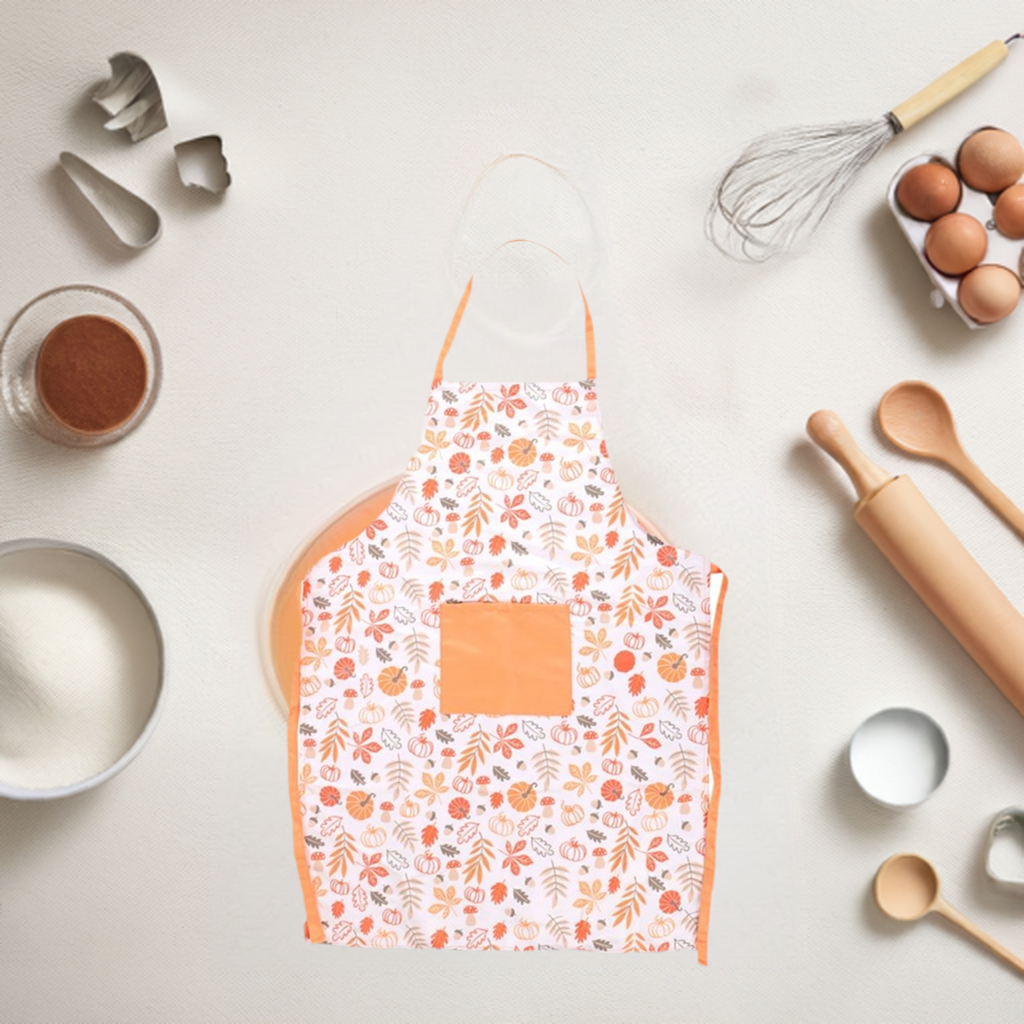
(916, 418)
(907, 887)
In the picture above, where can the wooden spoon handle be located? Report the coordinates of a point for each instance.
(999, 502)
(954, 915)
(829, 433)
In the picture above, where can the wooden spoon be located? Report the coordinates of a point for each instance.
(916, 418)
(907, 887)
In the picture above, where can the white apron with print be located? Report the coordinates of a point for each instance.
(504, 729)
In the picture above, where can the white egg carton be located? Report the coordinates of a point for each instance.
(1001, 250)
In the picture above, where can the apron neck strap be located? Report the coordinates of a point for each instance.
(591, 359)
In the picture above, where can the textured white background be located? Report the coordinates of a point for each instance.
(300, 318)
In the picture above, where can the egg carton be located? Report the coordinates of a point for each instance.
(1005, 252)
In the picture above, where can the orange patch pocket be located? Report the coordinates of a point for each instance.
(506, 659)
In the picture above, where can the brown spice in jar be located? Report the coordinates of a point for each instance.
(91, 374)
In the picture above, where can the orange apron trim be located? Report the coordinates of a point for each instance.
(314, 929)
(714, 754)
(499, 658)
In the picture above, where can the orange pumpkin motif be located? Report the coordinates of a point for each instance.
(659, 795)
(359, 804)
(672, 667)
(522, 796)
(522, 452)
(392, 680)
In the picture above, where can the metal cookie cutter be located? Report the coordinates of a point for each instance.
(1004, 863)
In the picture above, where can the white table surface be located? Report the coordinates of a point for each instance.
(300, 317)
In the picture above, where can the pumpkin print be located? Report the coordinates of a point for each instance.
(659, 795)
(358, 804)
(672, 667)
(611, 790)
(422, 829)
(522, 796)
(392, 681)
(624, 661)
(522, 452)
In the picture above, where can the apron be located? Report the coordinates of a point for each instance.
(503, 733)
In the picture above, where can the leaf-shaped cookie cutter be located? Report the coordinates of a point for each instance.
(132, 220)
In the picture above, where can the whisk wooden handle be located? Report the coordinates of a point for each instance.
(951, 84)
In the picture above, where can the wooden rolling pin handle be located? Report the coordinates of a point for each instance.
(829, 433)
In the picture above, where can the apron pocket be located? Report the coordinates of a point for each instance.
(506, 659)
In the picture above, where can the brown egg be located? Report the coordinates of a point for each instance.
(989, 293)
(991, 160)
(928, 191)
(955, 243)
(1010, 212)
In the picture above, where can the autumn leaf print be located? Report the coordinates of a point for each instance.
(581, 437)
(630, 605)
(546, 763)
(617, 509)
(551, 536)
(334, 740)
(698, 637)
(546, 422)
(433, 788)
(408, 546)
(691, 877)
(479, 860)
(625, 849)
(474, 753)
(629, 906)
(513, 513)
(316, 653)
(590, 549)
(434, 442)
(410, 894)
(591, 895)
(582, 778)
(560, 930)
(342, 854)
(349, 612)
(596, 644)
(364, 746)
(372, 870)
(378, 628)
(616, 733)
(478, 514)
(582, 931)
(480, 407)
(657, 612)
(444, 554)
(515, 860)
(628, 558)
(447, 901)
(505, 743)
(509, 403)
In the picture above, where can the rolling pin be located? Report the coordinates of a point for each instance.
(925, 552)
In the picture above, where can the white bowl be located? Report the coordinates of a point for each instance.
(899, 756)
(81, 669)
